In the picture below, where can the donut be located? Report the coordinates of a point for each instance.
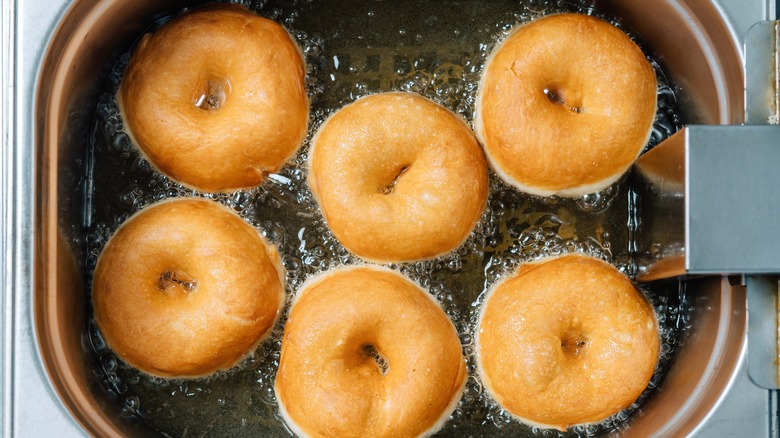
(185, 288)
(398, 177)
(565, 105)
(566, 341)
(366, 352)
(216, 98)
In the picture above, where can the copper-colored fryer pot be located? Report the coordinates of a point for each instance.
(692, 39)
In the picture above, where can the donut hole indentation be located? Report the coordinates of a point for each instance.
(211, 93)
(170, 280)
(574, 344)
(556, 97)
(370, 351)
(390, 188)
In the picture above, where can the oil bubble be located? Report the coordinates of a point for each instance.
(437, 54)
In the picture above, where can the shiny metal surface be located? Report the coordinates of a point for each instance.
(660, 233)
(747, 411)
(735, 166)
(710, 203)
(7, 22)
(30, 407)
(762, 328)
(30, 404)
(762, 74)
(705, 366)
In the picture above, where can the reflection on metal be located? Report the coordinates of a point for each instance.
(701, 50)
(660, 234)
(762, 74)
(709, 203)
(708, 196)
(762, 327)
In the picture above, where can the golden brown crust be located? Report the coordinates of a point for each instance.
(327, 386)
(566, 341)
(589, 125)
(256, 73)
(398, 177)
(157, 325)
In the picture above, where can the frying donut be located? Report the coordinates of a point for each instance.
(566, 341)
(366, 352)
(398, 177)
(216, 98)
(565, 105)
(186, 288)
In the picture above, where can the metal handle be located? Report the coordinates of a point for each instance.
(709, 196)
(709, 203)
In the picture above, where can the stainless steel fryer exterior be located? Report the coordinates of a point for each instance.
(42, 289)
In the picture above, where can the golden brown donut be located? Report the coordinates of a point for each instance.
(216, 98)
(565, 341)
(185, 288)
(366, 352)
(565, 105)
(398, 177)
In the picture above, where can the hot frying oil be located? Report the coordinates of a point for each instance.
(354, 48)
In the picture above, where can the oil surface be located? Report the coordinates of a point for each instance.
(354, 48)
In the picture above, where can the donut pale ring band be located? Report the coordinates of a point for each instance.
(565, 105)
(398, 177)
(216, 98)
(366, 352)
(185, 288)
(566, 341)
